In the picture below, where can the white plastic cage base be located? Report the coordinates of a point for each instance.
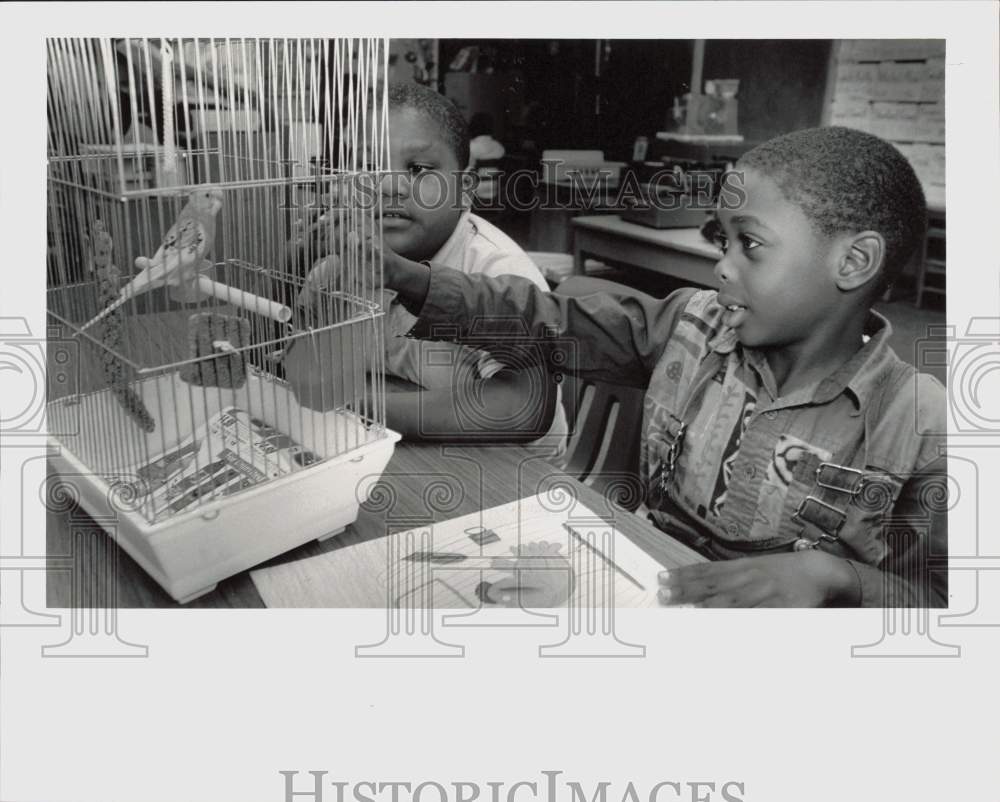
(189, 552)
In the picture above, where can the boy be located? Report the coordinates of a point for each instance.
(782, 436)
(466, 394)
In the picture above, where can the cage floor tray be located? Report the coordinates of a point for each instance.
(228, 479)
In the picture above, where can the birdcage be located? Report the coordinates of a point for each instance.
(182, 177)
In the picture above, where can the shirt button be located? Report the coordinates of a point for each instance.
(749, 471)
(770, 414)
(732, 529)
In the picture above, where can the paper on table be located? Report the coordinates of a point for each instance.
(517, 554)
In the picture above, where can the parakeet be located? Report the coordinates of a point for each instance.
(189, 238)
(183, 249)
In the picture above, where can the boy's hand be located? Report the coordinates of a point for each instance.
(309, 241)
(328, 272)
(326, 275)
(798, 579)
(409, 279)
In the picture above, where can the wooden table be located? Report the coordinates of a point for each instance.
(427, 484)
(679, 252)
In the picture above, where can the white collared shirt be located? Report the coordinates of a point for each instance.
(474, 247)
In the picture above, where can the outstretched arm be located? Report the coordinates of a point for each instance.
(325, 371)
(605, 336)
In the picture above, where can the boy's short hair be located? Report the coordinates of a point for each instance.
(847, 180)
(440, 110)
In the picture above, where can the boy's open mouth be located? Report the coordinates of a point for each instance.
(734, 314)
(394, 219)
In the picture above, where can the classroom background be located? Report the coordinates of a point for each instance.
(616, 112)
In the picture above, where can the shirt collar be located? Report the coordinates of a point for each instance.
(455, 244)
(724, 342)
(863, 372)
(860, 375)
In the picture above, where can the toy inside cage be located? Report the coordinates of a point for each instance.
(182, 174)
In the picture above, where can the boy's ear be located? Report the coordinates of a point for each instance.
(861, 260)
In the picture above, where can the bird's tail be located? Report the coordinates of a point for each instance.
(149, 278)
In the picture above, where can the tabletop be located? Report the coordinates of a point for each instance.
(422, 484)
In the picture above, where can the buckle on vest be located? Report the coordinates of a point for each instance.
(840, 478)
(823, 516)
(674, 449)
(675, 441)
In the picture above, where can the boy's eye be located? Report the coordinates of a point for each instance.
(747, 243)
(417, 169)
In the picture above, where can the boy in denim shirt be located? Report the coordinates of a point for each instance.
(782, 435)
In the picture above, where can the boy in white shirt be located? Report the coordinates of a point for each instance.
(463, 394)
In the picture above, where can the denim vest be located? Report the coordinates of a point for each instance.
(821, 467)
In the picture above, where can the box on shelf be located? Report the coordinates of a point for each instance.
(583, 168)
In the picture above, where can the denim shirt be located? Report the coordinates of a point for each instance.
(853, 464)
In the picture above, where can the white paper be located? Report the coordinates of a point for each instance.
(530, 560)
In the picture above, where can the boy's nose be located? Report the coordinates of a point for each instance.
(395, 184)
(722, 269)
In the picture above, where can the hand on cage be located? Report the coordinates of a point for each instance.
(307, 243)
(325, 276)
(374, 250)
(329, 273)
(331, 235)
(313, 238)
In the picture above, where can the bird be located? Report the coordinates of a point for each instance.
(181, 253)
